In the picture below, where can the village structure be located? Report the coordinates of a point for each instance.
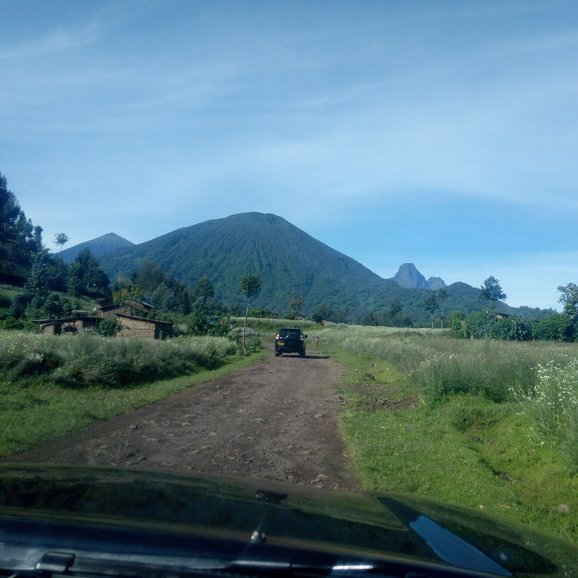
(130, 315)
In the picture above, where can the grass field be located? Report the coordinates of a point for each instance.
(484, 424)
(52, 386)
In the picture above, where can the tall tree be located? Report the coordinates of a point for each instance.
(491, 291)
(569, 299)
(61, 239)
(250, 286)
(19, 239)
(203, 292)
(442, 295)
(85, 273)
(431, 304)
(295, 305)
(37, 284)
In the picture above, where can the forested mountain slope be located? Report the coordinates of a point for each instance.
(288, 261)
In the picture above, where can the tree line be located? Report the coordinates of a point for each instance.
(489, 323)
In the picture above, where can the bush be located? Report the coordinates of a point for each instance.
(14, 324)
(556, 327)
(490, 325)
(108, 327)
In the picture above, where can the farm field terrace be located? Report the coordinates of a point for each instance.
(488, 424)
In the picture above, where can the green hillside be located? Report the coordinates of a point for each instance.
(288, 261)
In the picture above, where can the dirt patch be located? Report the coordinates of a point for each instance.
(372, 396)
(277, 420)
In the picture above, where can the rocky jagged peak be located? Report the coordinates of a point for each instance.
(409, 277)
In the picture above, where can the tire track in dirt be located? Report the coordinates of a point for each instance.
(277, 420)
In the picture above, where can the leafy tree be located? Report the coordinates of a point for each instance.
(19, 239)
(198, 323)
(488, 325)
(325, 313)
(295, 305)
(85, 275)
(203, 293)
(61, 239)
(74, 280)
(442, 295)
(431, 304)
(569, 299)
(556, 327)
(395, 316)
(250, 286)
(108, 327)
(158, 288)
(491, 291)
(20, 303)
(54, 306)
(317, 317)
(369, 318)
(91, 275)
(149, 276)
(458, 324)
(37, 284)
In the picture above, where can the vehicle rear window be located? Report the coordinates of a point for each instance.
(290, 333)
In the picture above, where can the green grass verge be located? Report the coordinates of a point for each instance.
(465, 450)
(32, 414)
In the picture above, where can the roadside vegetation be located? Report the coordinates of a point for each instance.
(486, 424)
(52, 386)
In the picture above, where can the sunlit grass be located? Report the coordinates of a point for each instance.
(34, 413)
(435, 416)
(54, 385)
(80, 360)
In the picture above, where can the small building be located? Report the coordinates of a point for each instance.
(130, 325)
(143, 327)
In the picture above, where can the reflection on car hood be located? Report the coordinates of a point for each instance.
(368, 526)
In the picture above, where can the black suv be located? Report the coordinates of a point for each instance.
(290, 340)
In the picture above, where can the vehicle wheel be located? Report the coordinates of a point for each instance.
(277, 354)
(301, 354)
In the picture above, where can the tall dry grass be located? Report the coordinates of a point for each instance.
(80, 360)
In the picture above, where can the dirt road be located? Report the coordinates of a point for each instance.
(276, 420)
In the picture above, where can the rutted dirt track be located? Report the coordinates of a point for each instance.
(276, 420)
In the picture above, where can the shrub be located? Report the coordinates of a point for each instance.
(556, 327)
(108, 327)
(553, 402)
(489, 325)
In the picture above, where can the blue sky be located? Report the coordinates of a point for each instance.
(443, 133)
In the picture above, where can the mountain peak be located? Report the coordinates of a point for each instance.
(409, 277)
(436, 283)
(100, 246)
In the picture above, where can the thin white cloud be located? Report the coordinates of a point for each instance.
(53, 43)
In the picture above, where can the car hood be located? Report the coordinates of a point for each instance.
(354, 526)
